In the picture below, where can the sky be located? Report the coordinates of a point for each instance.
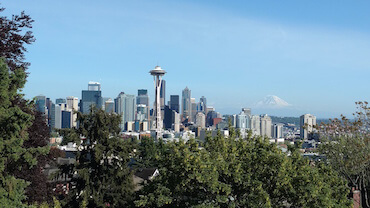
(313, 54)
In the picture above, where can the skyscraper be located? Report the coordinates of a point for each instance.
(142, 99)
(193, 111)
(278, 130)
(41, 104)
(72, 105)
(186, 103)
(243, 120)
(90, 97)
(307, 122)
(109, 106)
(256, 125)
(167, 120)
(141, 112)
(175, 103)
(266, 126)
(203, 105)
(126, 107)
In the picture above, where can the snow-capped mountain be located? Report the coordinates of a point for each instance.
(272, 101)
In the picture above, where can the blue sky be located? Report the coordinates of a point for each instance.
(312, 54)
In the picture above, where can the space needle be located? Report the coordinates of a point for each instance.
(157, 127)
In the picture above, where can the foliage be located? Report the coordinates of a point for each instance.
(13, 132)
(13, 39)
(346, 144)
(103, 176)
(229, 172)
(38, 136)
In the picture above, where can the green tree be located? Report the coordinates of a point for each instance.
(103, 177)
(230, 172)
(14, 123)
(346, 145)
(187, 179)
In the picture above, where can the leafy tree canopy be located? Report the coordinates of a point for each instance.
(229, 172)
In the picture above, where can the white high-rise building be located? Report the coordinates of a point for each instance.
(72, 105)
(176, 123)
(200, 120)
(243, 120)
(126, 106)
(256, 125)
(307, 122)
(266, 126)
(278, 131)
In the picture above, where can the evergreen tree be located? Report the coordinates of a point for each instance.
(103, 177)
(14, 123)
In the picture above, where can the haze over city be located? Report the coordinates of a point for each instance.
(311, 54)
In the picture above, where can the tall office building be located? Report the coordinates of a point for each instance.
(277, 130)
(58, 116)
(141, 112)
(90, 97)
(176, 121)
(185, 103)
(62, 116)
(307, 123)
(109, 106)
(66, 119)
(193, 111)
(203, 105)
(266, 126)
(175, 103)
(94, 86)
(243, 120)
(126, 107)
(167, 120)
(256, 125)
(72, 105)
(41, 104)
(143, 99)
(212, 114)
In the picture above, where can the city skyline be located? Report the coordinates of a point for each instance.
(240, 52)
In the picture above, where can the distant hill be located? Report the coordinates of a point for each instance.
(292, 120)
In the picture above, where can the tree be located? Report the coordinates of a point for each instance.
(102, 174)
(230, 172)
(13, 39)
(187, 179)
(14, 124)
(346, 145)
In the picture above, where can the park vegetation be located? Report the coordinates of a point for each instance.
(217, 172)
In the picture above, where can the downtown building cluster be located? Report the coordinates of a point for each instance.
(179, 114)
(135, 110)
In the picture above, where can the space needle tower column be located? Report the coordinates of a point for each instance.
(157, 74)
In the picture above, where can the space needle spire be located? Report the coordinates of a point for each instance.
(157, 125)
